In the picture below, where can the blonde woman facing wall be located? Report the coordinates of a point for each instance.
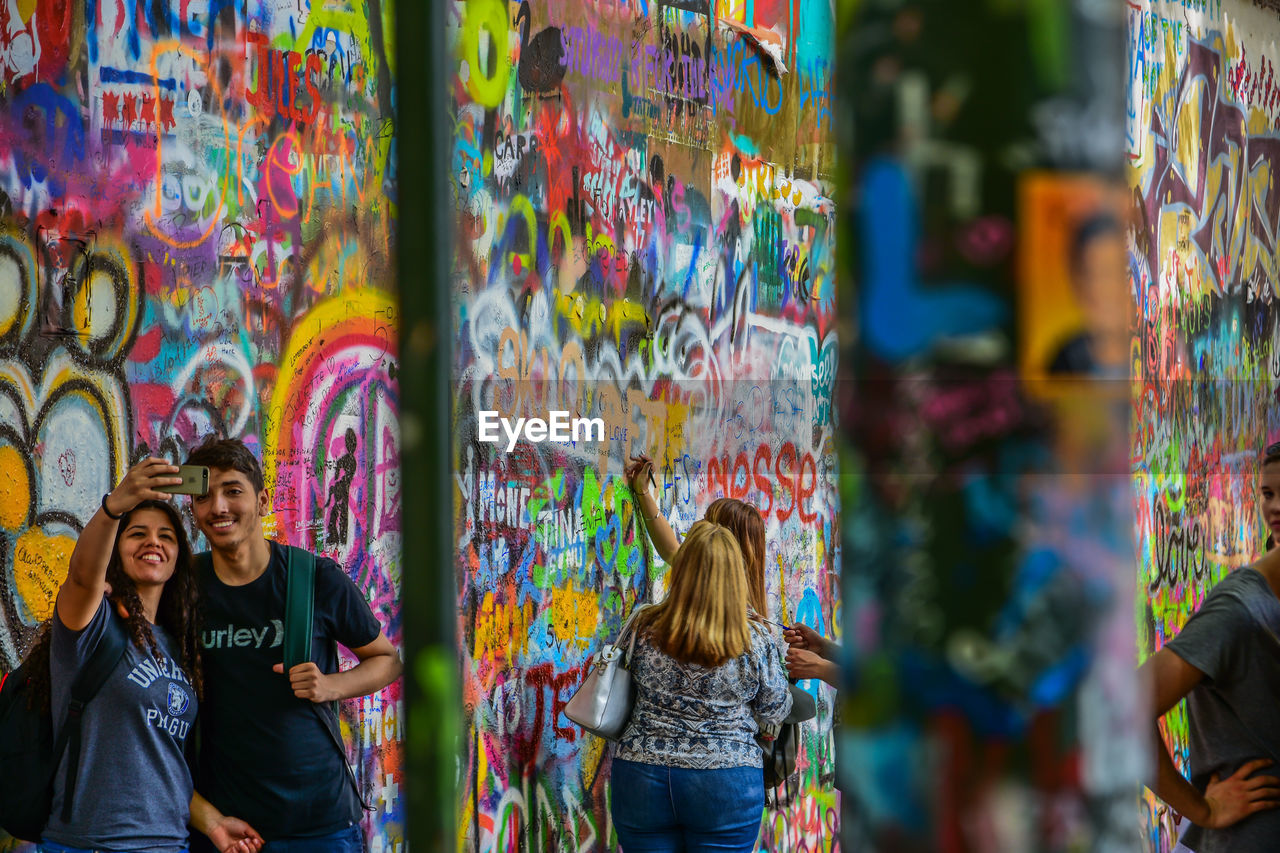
(687, 774)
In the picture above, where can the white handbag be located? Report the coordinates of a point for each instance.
(602, 705)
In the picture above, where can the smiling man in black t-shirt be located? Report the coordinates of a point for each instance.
(265, 755)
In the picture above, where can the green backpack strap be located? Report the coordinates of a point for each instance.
(299, 606)
(299, 614)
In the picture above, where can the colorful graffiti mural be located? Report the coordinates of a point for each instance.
(196, 216)
(1202, 145)
(644, 235)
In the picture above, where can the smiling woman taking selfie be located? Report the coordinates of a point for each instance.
(132, 790)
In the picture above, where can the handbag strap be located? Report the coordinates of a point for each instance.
(631, 645)
(628, 627)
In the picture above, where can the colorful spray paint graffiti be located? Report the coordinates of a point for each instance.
(196, 210)
(1202, 143)
(644, 235)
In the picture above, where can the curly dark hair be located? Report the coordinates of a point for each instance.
(178, 612)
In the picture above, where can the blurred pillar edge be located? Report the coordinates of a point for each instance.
(423, 252)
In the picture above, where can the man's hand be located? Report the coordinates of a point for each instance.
(1240, 795)
(308, 682)
(801, 636)
(802, 664)
(232, 835)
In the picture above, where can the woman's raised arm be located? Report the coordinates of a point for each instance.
(640, 475)
(81, 594)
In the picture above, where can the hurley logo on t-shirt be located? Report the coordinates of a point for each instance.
(241, 637)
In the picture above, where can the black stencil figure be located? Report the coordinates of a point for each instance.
(66, 259)
(340, 492)
(539, 70)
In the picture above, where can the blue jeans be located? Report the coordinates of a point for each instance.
(349, 840)
(658, 809)
(51, 847)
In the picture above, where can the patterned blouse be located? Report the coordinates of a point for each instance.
(690, 716)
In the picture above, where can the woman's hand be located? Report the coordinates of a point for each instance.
(232, 835)
(1240, 795)
(801, 636)
(141, 483)
(639, 474)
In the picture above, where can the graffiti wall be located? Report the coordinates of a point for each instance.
(196, 216)
(1203, 142)
(644, 236)
(985, 499)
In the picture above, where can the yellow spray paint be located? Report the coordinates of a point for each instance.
(39, 568)
(15, 489)
(574, 615)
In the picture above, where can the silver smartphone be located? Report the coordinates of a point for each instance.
(195, 481)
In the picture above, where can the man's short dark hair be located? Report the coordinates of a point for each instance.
(228, 454)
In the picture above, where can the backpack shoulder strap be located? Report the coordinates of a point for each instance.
(328, 714)
(88, 682)
(299, 606)
(299, 618)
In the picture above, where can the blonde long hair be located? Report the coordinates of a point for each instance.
(703, 619)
